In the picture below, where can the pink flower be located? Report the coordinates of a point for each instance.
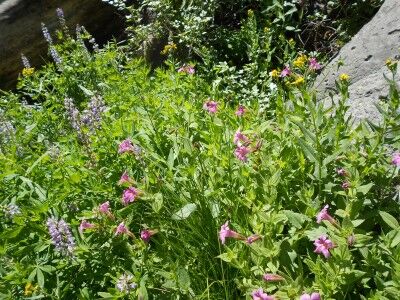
(286, 72)
(341, 172)
(241, 153)
(345, 185)
(126, 146)
(226, 232)
(322, 245)
(313, 296)
(240, 110)
(146, 234)
(124, 178)
(211, 106)
(239, 139)
(396, 159)
(186, 69)
(129, 195)
(314, 65)
(121, 229)
(324, 215)
(105, 207)
(260, 295)
(85, 225)
(251, 239)
(272, 277)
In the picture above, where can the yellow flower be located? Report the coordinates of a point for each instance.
(292, 43)
(299, 81)
(29, 289)
(169, 48)
(27, 71)
(266, 29)
(250, 13)
(300, 61)
(392, 65)
(274, 73)
(344, 77)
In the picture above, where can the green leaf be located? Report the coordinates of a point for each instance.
(295, 219)
(389, 220)
(40, 277)
(184, 212)
(183, 279)
(105, 295)
(157, 203)
(364, 189)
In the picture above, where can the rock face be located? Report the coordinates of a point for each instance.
(20, 29)
(364, 60)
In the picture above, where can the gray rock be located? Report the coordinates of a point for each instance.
(20, 29)
(364, 60)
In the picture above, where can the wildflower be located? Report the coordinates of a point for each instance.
(313, 64)
(345, 185)
(105, 207)
(61, 236)
(85, 225)
(125, 146)
(91, 116)
(46, 34)
(72, 114)
(27, 71)
(300, 61)
(121, 229)
(274, 73)
(188, 69)
(260, 295)
(146, 234)
(239, 139)
(272, 277)
(240, 110)
(324, 215)
(169, 48)
(226, 232)
(299, 80)
(251, 239)
(124, 178)
(25, 62)
(322, 245)
(29, 289)
(241, 153)
(95, 46)
(396, 159)
(211, 106)
(351, 240)
(56, 57)
(313, 296)
(129, 195)
(344, 77)
(286, 72)
(12, 210)
(61, 18)
(341, 172)
(125, 283)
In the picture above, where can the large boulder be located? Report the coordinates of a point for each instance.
(364, 60)
(20, 29)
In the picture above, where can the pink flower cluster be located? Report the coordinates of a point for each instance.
(396, 159)
(188, 69)
(313, 296)
(260, 295)
(211, 106)
(240, 110)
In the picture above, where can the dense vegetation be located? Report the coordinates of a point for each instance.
(195, 180)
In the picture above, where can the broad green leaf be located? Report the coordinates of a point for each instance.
(184, 212)
(389, 220)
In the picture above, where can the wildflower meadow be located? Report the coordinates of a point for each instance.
(122, 181)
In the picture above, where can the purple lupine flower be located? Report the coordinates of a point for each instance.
(61, 17)
(313, 296)
(56, 57)
(125, 283)
(61, 236)
(322, 245)
(72, 114)
(11, 210)
(46, 34)
(260, 295)
(7, 130)
(396, 159)
(95, 46)
(91, 117)
(313, 64)
(25, 62)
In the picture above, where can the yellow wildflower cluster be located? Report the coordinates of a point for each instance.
(169, 48)
(344, 77)
(27, 71)
(250, 13)
(274, 73)
(300, 61)
(299, 80)
(29, 289)
(391, 64)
